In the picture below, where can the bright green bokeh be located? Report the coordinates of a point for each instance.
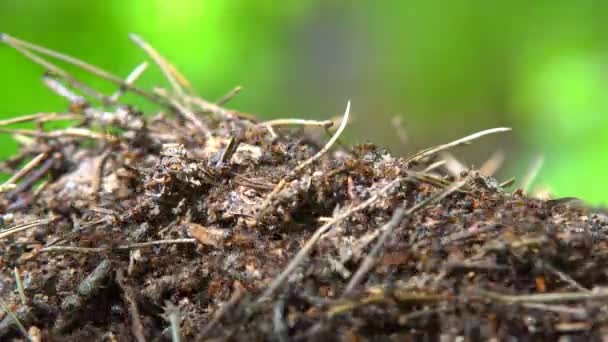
(450, 68)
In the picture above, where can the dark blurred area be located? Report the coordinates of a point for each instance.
(446, 69)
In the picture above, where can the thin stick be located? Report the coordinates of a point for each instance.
(33, 177)
(131, 78)
(68, 132)
(398, 216)
(564, 309)
(129, 297)
(26, 169)
(434, 166)
(329, 143)
(268, 200)
(231, 94)
(14, 42)
(305, 251)
(185, 112)
(507, 183)
(176, 79)
(298, 122)
(94, 250)
(54, 69)
(433, 150)
(15, 319)
(565, 277)
(58, 88)
(25, 226)
(58, 117)
(555, 297)
(370, 259)
(173, 316)
(20, 287)
(23, 118)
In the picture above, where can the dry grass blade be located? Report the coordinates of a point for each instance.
(433, 150)
(329, 144)
(129, 296)
(305, 251)
(176, 79)
(25, 226)
(8, 311)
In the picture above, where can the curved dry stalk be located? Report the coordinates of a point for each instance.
(329, 144)
(433, 150)
(268, 200)
(305, 251)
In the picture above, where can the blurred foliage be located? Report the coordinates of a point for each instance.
(449, 68)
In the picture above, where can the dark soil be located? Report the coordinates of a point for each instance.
(181, 225)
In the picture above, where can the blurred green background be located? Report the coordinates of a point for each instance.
(447, 68)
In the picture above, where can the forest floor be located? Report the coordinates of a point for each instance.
(203, 223)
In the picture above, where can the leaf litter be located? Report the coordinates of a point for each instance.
(202, 223)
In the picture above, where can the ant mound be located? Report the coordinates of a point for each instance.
(201, 222)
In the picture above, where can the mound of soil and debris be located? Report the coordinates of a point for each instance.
(203, 223)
